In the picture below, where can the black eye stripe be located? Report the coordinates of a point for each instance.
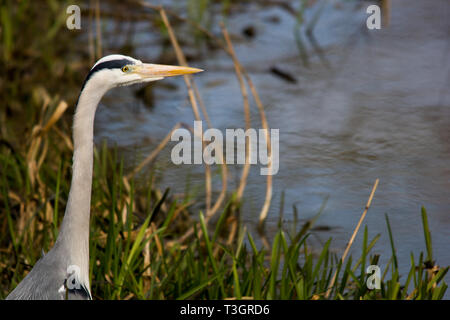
(112, 64)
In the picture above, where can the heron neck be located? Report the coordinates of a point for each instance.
(74, 233)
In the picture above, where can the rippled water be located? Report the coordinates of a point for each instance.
(379, 107)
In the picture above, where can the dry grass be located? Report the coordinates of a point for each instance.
(139, 235)
(347, 249)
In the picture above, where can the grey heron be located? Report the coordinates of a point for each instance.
(63, 273)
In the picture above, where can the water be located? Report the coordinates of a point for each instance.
(380, 110)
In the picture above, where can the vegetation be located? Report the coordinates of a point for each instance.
(147, 243)
(136, 250)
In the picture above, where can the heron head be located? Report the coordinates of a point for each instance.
(119, 70)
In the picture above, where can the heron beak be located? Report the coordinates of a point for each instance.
(149, 70)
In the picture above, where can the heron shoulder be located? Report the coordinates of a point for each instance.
(44, 281)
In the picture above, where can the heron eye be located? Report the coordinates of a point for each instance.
(125, 69)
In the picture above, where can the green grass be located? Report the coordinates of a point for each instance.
(136, 247)
(207, 266)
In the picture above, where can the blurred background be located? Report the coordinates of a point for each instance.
(352, 104)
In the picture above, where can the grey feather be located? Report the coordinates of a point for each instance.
(63, 273)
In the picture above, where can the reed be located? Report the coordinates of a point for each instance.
(147, 243)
